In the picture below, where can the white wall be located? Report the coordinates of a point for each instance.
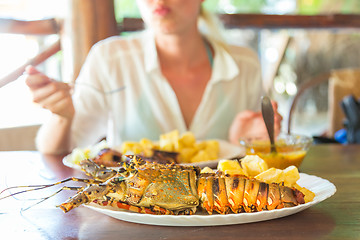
(18, 138)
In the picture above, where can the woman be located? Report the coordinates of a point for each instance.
(173, 76)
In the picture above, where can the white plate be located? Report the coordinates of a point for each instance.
(227, 151)
(68, 161)
(322, 188)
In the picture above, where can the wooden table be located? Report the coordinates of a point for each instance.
(336, 218)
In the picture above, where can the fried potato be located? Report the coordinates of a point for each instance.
(200, 145)
(212, 148)
(146, 143)
(127, 147)
(291, 176)
(309, 195)
(272, 175)
(190, 151)
(169, 141)
(253, 165)
(231, 167)
(187, 140)
(213, 144)
(186, 154)
(288, 176)
(206, 170)
(200, 156)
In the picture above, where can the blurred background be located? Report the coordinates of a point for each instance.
(290, 57)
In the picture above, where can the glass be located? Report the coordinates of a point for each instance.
(290, 149)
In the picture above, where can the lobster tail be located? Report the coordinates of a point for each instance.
(205, 192)
(250, 194)
(222, 193)
(261, 200)
(212, 193)
(221, 204)
(274, 197)
(235, 186)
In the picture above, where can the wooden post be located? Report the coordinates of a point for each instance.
(88, 22)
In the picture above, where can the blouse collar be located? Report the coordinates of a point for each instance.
(224, 66)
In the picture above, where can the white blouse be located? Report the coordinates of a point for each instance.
(148, 106)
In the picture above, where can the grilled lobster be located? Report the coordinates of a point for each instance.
(154, 188)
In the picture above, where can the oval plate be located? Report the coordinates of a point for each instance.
(322, 188)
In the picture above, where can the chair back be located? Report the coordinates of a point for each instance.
(342, 82)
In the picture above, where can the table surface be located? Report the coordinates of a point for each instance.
(335, 218)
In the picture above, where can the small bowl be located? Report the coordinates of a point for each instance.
(290, 149)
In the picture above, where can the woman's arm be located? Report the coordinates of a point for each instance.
(54, 136)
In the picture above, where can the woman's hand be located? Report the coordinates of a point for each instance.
(50, 94)
(249, 124)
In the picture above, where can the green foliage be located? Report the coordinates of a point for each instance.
(125, 8)
(128, 8)
(312, 7)
(351, 6)
(212, 5)
(239, 6)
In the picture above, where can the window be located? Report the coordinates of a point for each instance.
(17, 108)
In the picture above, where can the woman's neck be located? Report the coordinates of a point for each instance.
(185, 64)
(182, 52)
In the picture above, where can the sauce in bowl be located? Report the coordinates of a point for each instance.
(290, 150)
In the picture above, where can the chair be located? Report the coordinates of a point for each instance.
(37, 27)
(342, 82)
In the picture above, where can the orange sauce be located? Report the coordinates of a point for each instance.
(284, 157)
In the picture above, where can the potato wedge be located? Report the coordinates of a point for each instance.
(309, 195)
(272, 175)
(253, 165)
(231, 167)
(291, 176)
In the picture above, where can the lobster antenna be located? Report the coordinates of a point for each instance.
(35, 187)
(46, 198)
(39, 187)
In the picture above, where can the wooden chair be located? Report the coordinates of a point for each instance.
(37, 27)
(342, 82)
